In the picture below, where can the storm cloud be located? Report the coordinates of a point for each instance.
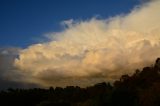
(91, 51)
(9, 76)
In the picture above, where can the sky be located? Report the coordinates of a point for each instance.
(64, 42)
(24, 22)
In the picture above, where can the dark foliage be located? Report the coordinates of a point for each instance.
(140, 89)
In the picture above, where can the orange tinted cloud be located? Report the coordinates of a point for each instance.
(92, 51)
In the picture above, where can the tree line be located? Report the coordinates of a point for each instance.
(140, 89)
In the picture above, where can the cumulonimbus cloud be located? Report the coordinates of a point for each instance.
(87, 52)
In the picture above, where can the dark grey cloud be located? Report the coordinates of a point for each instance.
(8, 74)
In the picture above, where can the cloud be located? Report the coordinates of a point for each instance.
(7, 57)
(9, 76)
(95, 50)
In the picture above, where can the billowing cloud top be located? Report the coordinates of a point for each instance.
(87, 52)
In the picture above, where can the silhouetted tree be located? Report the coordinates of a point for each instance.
(140, 89)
